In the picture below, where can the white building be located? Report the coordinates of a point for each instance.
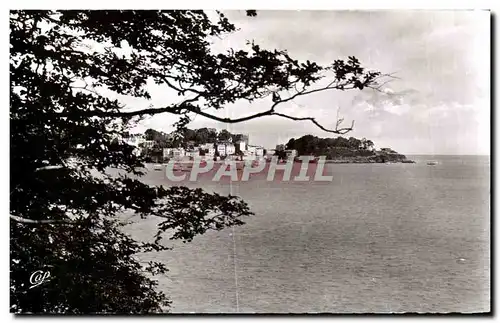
(258, 151)
(226, 148)
(210, 151)
(208, 145)
(221, 149)
(242, 145)
(173, 152)
(230, 149)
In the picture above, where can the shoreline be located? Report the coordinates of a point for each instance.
(328, 161)
(341, 161)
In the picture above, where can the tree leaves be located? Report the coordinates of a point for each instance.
(68, 70)
(54, 121)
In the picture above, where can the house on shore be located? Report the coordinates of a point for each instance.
(255, 151)
(226, 148)
(175, 153)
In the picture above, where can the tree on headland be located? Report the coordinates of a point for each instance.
(354, 143)
(68, 70)
(223, 135)
(332, 147)
(367, 144)
(204, 135)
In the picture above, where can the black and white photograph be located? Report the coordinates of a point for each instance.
(250, 161)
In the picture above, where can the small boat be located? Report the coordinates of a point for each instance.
(432, 162)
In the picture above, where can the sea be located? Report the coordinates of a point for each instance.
(378, 238)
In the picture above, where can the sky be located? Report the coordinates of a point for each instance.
(438, 104)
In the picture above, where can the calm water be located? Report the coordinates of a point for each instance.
(378, 238)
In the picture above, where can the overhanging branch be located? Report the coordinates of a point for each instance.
(187, 106)
(337, 130)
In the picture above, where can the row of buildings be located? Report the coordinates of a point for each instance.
(223, 149)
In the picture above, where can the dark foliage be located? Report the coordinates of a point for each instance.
(68, 70)
(331, 147)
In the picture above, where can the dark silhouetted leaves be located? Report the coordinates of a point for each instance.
(68, 71)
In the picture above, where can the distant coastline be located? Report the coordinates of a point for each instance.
(340, 150)
(208, 143)
(362, 160)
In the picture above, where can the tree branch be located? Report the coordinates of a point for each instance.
(195, 109)
(185, 105)
(337, 130)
